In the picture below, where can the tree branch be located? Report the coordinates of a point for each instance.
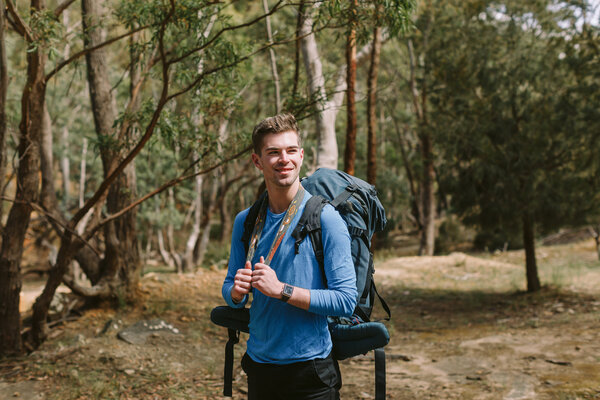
(62, 7)
(54, 221)
(222, 31)
(222, 67)
(112, 175)
(162, 188)
(20, 26)
(90, 49)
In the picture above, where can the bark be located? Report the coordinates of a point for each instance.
(299, 22)
(350, 153)
(189, 261)
(595, 232)
(3, 93)
(427, 192)
(121, 260)
(206, 223)
(533, 280)
(166, 257)
(372, 109)
(82, 172)
(65, 166)
(427, 197)
(30, 133)
(48, 194)
(66, 253)
(273, 59)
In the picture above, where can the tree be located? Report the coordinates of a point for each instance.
(168, 26)
(508, 118)
(3, 94)
(371, 107)
(350, 153)
(30, 135)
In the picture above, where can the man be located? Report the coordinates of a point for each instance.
(289, 348)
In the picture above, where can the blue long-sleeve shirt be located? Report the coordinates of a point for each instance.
(279, 332)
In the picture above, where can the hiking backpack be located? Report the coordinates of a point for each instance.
(361, 210)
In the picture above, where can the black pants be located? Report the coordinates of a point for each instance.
(317, 379)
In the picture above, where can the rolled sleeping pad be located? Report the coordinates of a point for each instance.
(233, 318)
(352, 340)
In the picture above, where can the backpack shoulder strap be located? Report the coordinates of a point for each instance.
(310, 225)
(251, 220)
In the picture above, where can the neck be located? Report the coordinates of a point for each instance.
(281, 197)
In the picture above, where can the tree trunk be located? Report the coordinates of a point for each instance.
(415, 203)
(427, 197)
(371, 108)
(326, 109)
(207, 221)
(65, 165)
(48, 193)
(299, 22)
(595, 231)
(13, 237)
(122, 260)
(327, 148)
(427, 193)
(3, 93)
(533, 280)
(350, 153)
(273, 59)
(189, 261)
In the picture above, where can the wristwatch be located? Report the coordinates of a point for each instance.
(286, 292)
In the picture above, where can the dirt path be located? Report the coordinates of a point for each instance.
(462, 328)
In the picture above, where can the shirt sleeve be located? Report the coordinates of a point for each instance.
(339, 299)
(237, 259)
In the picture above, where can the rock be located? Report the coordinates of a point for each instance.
(139, 332)
(110, 326)
(80, 339)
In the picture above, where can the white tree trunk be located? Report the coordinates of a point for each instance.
(189, 262)
(327, 108)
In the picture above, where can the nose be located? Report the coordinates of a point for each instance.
(283, 156)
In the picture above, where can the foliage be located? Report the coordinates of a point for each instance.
(510, 126)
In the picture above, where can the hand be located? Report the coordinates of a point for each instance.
(242, 282)
(265, 280)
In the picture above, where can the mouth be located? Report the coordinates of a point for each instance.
(284, 171)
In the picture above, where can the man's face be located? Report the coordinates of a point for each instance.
(280, 158)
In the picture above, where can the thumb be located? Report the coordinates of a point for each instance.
(248, 265)
(262, 260)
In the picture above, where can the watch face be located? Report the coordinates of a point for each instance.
(288, 290)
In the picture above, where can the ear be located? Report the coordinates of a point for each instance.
(256, 161)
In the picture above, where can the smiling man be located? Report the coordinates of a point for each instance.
(288, 352)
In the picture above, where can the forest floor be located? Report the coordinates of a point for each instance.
(462, 327)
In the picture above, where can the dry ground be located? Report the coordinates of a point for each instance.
(462, 328)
